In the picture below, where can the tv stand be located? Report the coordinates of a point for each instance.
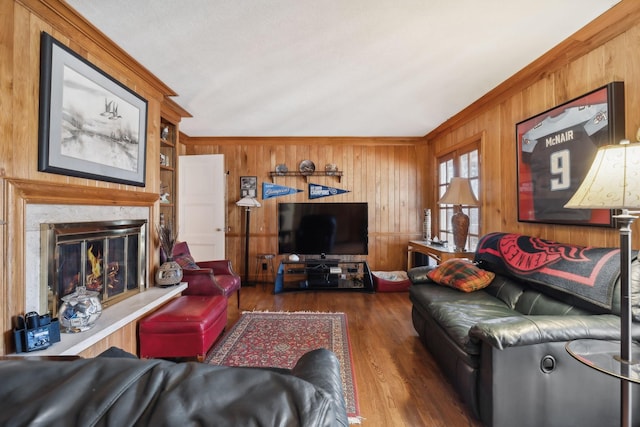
(323, 274)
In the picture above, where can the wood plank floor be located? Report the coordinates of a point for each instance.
(397, 380)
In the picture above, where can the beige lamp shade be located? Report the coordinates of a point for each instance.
(248, 202)
(613, 181)
(459, 192)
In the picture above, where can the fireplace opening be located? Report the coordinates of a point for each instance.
(108, 257)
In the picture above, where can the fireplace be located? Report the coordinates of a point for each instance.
(108, 257)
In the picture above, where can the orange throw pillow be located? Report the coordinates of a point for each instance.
(461, 274)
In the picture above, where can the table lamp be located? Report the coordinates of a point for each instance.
(247, 203)
(613, 182)
(459, 193)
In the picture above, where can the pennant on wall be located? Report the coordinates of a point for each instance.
(275, 190)
(317, 191)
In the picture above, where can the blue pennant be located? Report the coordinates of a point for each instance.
(317, 191)
(275, 190)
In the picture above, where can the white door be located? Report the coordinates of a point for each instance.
(201, 218)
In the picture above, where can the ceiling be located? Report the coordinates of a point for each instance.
(333, 67)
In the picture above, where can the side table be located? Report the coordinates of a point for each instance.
(437, 252)
(604, 356)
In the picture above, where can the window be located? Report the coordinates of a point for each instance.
(462, 162)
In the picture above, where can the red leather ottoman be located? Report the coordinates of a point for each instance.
(184, 327)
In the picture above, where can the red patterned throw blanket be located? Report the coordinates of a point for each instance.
(588, 274)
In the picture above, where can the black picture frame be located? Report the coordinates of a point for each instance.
(90, 125)
(555, 150)
(249, 186)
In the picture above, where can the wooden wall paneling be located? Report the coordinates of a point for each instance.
(4, 282)
(21, 23)
(355, 172)
(383, 160)
(401, 166)
(153, 151)
(372, 172)
(7, 52)
(420, 191)
(395, 189)
(124, 338)
(24, 66)
(568, 76)
(344, 160)
(414, 209)
(372, 194)
(338, 156)
(500, 184)
(632, 86)
(15, 298)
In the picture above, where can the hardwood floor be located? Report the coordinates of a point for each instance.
(398, 382)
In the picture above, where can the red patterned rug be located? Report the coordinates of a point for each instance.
(268, 339)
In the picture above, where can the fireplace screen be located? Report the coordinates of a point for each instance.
(106, 257)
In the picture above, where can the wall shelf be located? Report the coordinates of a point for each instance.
(274, 174)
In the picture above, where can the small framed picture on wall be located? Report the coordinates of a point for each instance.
(249, 186)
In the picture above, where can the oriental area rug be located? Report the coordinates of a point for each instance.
(279, 339)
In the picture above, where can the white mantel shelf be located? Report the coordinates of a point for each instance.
(113, 318)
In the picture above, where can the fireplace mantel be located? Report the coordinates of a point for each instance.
(54, 193)
(18, 196)
(112, 319)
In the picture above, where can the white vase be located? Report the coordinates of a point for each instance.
(426, 226)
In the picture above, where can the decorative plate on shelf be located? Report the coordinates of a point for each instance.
(281, 169)
(307, 167)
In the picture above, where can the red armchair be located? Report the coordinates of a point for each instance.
(206, 277)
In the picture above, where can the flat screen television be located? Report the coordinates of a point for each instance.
(323, 228)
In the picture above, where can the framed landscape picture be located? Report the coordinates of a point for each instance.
(555, 150)
(90, 126)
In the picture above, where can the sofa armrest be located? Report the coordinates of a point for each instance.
(418, 275)
(219, 267)
(527, 330)
(201, 282)
(321, 368)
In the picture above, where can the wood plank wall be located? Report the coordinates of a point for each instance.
(21, 22)
(604, 51)
(376, 169)
(385, 172)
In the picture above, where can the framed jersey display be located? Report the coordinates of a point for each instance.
(556, 149)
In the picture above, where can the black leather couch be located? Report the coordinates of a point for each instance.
(126, 391)
(503, 347)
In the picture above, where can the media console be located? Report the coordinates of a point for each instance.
(323, 274)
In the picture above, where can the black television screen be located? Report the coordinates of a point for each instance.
(323, 228)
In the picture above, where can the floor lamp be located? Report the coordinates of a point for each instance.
(613, 182)
(247, 203)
